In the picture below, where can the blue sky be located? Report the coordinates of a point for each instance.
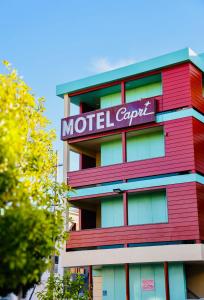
(52, 42)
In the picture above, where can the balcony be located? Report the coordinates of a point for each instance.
(178, 157)
(183, 223)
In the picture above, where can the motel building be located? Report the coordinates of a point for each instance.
(138, 134)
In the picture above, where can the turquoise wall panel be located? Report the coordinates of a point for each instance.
(114, 287)
(111, 152)
(112, 212)
(147, 144)
(159, 207)
(97, 272)
(110, 100)
(139, 184)
(147, 208)
(114, 282)
(108, 283)
(138, 273)
(177, 281)
(146, 91)
(149, 90)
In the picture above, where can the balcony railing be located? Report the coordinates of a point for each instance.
(150, 167)
(132, 234)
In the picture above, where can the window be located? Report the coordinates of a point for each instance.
(147, 208)
(145, 144)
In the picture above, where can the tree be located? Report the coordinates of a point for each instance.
(30, 230)
(26, 235)
(65, 288)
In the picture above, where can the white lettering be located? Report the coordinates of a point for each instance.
(126, 115)
(146, 108)
(102, 119)
(121, 111)
(123, 114)
(76, 125)
(67, 129)
(99, 120)
(108, 122)
(134, 114)
(90, 118)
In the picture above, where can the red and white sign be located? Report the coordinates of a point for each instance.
(121, 116)
(148, 284)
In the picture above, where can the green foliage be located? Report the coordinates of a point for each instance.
(65, 288)
(26, 234)
(30, 230)
(26, 152)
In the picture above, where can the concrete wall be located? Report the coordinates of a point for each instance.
(97, 287)
(171, 253)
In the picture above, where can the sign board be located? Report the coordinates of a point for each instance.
(121, 116)
(148, 284)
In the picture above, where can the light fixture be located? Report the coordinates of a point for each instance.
(118, 190)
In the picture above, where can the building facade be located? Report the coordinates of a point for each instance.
(138, 132)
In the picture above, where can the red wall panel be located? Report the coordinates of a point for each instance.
(179, 157)
(176, 87)
(198, 138)
(182, 225)
(196, 88)
(182, 86)
(200, 195)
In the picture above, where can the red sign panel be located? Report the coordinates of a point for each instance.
(121, 116)
(148, 284)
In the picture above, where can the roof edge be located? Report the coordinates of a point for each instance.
(186, 54)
